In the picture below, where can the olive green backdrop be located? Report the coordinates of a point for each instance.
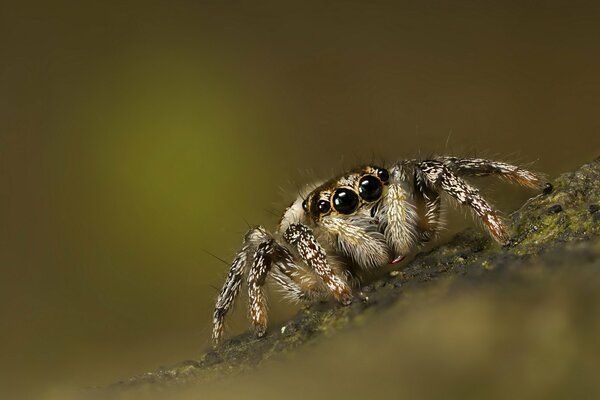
(134, 137)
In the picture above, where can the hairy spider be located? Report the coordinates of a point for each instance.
(363, 219)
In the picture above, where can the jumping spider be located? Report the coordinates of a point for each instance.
(363, 219)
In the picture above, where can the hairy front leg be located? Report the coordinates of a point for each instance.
(314, 256)
(398, 213)
(296, 282)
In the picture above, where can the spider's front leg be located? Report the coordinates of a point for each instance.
(398, 215)
(312, 253)
(271, 258)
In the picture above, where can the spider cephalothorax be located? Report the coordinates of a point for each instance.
(363, 219)
(346, 194)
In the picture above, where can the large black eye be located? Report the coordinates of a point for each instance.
(305, 206)
(323, 206)
(383, 174)
(345, 201)
(370, 188)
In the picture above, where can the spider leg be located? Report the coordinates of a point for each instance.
(358, 238)
(429, 203)
(445, 180)
(482, 167)
(231, 287)
(257, 303)
(428, 194)
(228, 294)
(398, 215)
(298, 282)
(311, 252)
(266, 258)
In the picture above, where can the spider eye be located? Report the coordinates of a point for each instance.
(345, 201)
(383, 174)
(305, 206)
(323, 206)
(370, 188)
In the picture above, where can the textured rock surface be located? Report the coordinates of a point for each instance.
(556, 230)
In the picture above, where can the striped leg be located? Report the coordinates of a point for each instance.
(482, 167)
(232, 285)
(257, 303)
(445, 180)
(313, 255)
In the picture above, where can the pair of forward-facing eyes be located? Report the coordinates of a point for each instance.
(346, 200)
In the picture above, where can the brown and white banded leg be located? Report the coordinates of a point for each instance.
(298, 283)
(269, 258)
(230, 290)
(441, 177)
(295, 281)
(482, 167)
(257, 303)
(231, 287)
(311, 252)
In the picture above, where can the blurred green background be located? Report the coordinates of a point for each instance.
(136, 136)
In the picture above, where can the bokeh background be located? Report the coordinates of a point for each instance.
(135, 137)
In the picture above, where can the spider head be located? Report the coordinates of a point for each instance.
(345, 210)
(350, 194)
